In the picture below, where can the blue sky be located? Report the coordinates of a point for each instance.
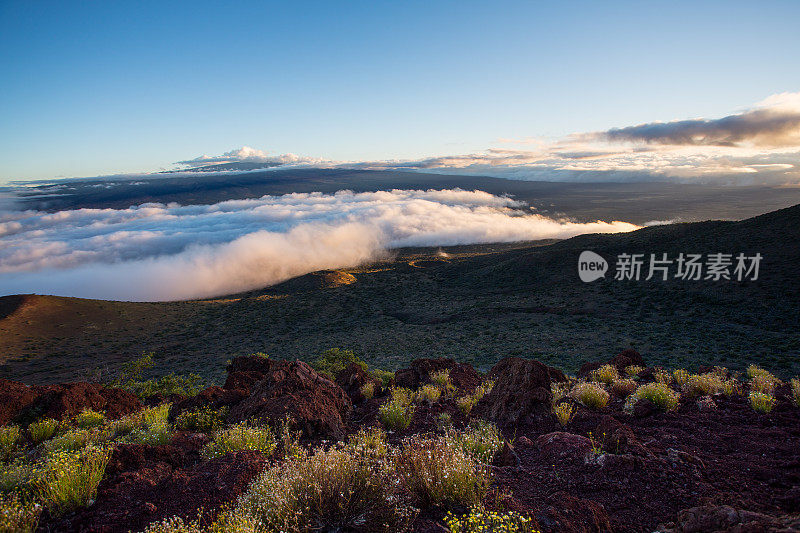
(105, 87)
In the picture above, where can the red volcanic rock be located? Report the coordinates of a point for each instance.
(132, 457)
(723, 518)
(462, 375)
(244, 372)
(573, 514)
(560, 446)
(214, 397)
(616, 437)
(294, 389)
(520, 395)
(63, 400)
(15, 397)
(352, 378)
(157, 490)
(586, 369)
(627, 358)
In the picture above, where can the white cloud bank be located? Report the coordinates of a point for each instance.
(167, 252)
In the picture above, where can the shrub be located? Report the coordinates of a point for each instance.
(17, 515)
(330, 490)
(16, 475)
(659, 394)
(202, 419)
(796, 391)
(73, 440)
(441, 472)
(466, 403)
(333, 361)
(564, 412)
(681, 376)
(148, 426)
(481, 440)
(396, 413)
(703, 384)
(761, 380)
(9, 437)
(68, 480)
(590, 395)
(89, 419)
(175, 524)
(441, 379)
(370, 442)
(368, 390)
(623, 387)
(633, 371)
(384, 376)
(289, 439)
(242, 436)
(43, 430)
(479, 520)
(761, 402)
(429, 393)
(662, 376)
(129, 379)
(605, 374)
(558, 390)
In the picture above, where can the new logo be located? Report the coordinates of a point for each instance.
(591, 266)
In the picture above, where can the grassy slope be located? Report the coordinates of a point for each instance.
(479, 305)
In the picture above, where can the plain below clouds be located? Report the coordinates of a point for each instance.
(169, 252)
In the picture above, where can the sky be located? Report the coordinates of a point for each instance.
(95, 88)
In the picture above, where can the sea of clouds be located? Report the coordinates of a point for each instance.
(156, 252)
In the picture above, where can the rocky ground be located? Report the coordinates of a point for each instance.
(713, 464)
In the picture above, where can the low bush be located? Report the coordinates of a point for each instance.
(16, 475)
(129, 378)
(660, 394)
(481, 440)
(605, 374)
(9, 438)
(429, 393)
(384, 376)
(148, 426)
(761, 402)
(333, 361)
(74, 440)
(796, 391)
(623, 387)
(467, 402)
(441, 379)
(396, 412)
(703, 385)
(478, 520)
(761, 380)
(662, 376)
(68, 480)
(18, 514)
(590, 395)
(633, 371)
(564, 412)
(440, 472)
(289, 439)
(681, 376)
(43, 430)
(368, 390)
(369, 442)
(329, 490)
(242, 436)
(203, 419)
(89, 419)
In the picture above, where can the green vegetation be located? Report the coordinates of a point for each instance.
(242, 436)
(429, 393)
(203, 419)
(605, 374)
(18, 514)
(623, 387)
(795, 384)
(441, 380)
(89, 419)
(368, 390)
(68, 480)
(333, 361)
(681, 376)
(466, 403)
(479, 520)
(43, 430)
(761, 402)
(590, 394)
(659, 394)
(481, 440)
(129, 378)
(761, 380)
(703, 384)
(384, 376)
(396, 412)
(633, 371)
(564, 413)
(149, 426)
(9, 437)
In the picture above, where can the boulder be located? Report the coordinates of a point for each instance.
(462, 375)
(627, 358)
(244, 372)
(723, 518)
(568, 513)
(352, 378)
(520, 395)
(293, 389)
(560, 446)
(618, 438)
(15, 398)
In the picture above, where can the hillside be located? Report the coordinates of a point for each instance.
(476, 304)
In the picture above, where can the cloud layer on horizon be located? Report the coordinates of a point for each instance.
(760, 145)
(167, 252)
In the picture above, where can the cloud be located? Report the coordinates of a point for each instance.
(166, 252)
(247, 154)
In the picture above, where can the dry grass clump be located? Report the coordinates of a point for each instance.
(633, 371)
(396, 413)
(43, 430)
(590, 395)
(68, 480)
(441, 472)
(605, 374)
(370, 442)
(242, 436)
(703, 384)
(481, 440)
(466, 403)
(74, 440)
(148, 426)
(478, 520)
(660, 394)
(368, 390)
(203, 419)
(441, 379)
(89, 419)
(662, 376)
(795, 383)
(564, 413)
(337, 489)
(681, 376)
(16, 475)
(17, 514)
(762, 380)
(9, 437)
(761, 402)
(429, 393)
(623, 387)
